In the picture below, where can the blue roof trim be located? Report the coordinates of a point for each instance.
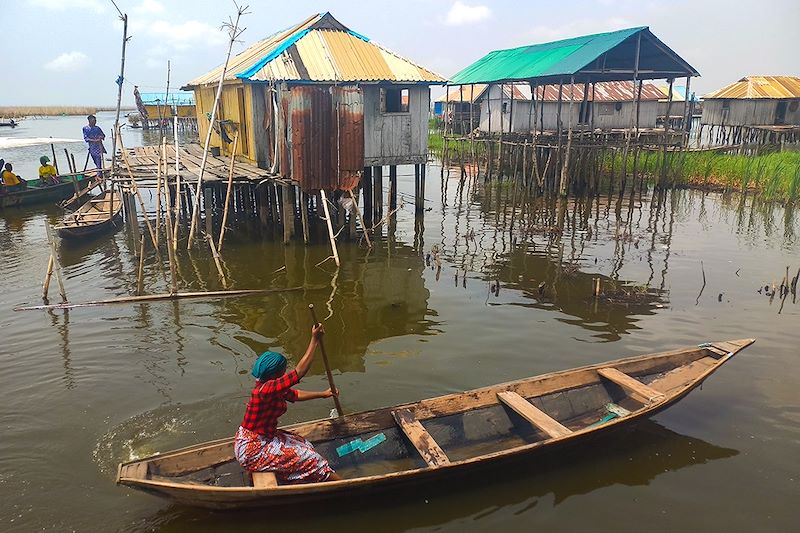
(272, 55)
(362, 37)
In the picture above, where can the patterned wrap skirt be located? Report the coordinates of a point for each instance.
(291, 457)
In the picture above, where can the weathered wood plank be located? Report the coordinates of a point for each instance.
(631, 384)
(538, 418)
(682, 376)
(420, 438)
(264, 480)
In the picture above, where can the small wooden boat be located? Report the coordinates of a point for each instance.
(101, 213)
(38, 194)
(438, 437)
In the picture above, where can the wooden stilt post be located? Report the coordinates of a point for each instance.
(663, 180)
(287, 214)
(208, 209)
(565, 173)
(377, 192)
(366, 185)
(417, 193)
(329, 223)
(304, 216)
(392, 187)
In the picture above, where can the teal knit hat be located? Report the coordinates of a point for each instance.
(267, 365)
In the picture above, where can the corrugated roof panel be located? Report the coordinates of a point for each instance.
(355, 59)
(403, 70)
(320, 49)
(752, 87)
(316, 60)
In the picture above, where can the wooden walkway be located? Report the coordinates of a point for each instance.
(144, 164)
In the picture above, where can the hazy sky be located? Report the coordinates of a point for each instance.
(67, 52)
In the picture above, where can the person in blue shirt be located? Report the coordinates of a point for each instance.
(94, 137)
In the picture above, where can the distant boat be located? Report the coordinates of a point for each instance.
(418, 442)
(10, 124)
(39, 194)
(100, 214)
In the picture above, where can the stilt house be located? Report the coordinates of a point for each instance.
(608, 105)
(584, 63)
(754, 101)
(317, 103)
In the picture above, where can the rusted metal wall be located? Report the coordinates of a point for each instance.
(324, 136)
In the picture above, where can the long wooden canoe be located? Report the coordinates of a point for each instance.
(99, 214)
(441, 436)
(37, 194)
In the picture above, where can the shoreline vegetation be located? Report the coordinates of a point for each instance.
(772, 176)
(16, 112)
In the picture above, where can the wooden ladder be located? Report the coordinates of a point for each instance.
(631, 385)
(532, 414)
(420, 438)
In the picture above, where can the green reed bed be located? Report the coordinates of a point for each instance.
(775, 176)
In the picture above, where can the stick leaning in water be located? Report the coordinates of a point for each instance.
(327, 365)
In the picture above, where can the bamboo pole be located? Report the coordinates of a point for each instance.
(178, 200)
(168, 219)
(234, 33)
(158, 190)
(215, 255)
(55, 163)
(329, 224)
(360, 218)
(327, 364)
(120, 80)
(164, 297)
(140, 275)
(47, 276)
(228, 192)
(54, 258)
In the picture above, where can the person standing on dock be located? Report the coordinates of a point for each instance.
(259, 445)
(94, 137)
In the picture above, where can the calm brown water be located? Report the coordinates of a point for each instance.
(82, 390)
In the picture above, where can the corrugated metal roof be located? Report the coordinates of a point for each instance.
(175, 98)
(520, 92)
(321, 49)
(607, 91)
(760, 87)
(569, 57)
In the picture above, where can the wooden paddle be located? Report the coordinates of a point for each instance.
(325, 360)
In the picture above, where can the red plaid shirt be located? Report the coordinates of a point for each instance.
(268, 402)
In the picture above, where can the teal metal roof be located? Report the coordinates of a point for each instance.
(599, 57)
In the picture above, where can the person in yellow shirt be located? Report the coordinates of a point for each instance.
(48, 174)
(11, 181)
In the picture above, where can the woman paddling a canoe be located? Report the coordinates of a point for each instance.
(259, 446)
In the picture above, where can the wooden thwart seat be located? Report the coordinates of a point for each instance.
(532, 414)
(264, 480)
(420, 438)
(631, 384)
